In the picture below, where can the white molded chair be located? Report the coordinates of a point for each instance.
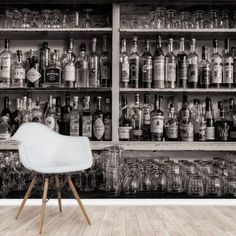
(44, 151)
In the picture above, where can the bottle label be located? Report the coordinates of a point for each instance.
(206, 76)
(233, 134)
(228, 74)
(147, 70)
(186, 132)
(33, 75)
(52, 76)
(146, 119)
(50, 122)
(83, 64)
(202, 133)
(107, 132)
(93, 73)
(171, 72)
(158, 73)
(172, 131)
(193, 73)
(105, 69)
(87, 126)
(157, 124)
(6, 67)
(69, 73)
(74, 126)
(98, 128)
(18, 74)
(124, 132)
(125, 71)
(216, 73)
(210, 133)
(182, 70)
(134, 69)
(222, 132)
(137, 132)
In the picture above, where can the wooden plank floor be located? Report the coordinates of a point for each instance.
(122, 221)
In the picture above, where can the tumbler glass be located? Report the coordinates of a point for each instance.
(196, 186)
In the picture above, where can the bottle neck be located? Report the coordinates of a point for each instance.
(146, 46)
(19, 58)
(75, 105)
(6, 103)
(94, 46)
(99, 104)
(123, 46)
(193, 47)
(181, 46)
(105, 44)
(170, 46)
(134, 47)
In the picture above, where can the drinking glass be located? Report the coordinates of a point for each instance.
(196, 186)
(184, 20)
(152, 23)
(87, 23)
(12, 17)
(213, 186)
(56, 16)
(74, 19)
(124, 22)
(113, 184)
(46, 15)
(170, 20)
(35, 16)
(224, 22)
(65, 19)
(25, 22)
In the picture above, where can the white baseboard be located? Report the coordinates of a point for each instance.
(126, 202)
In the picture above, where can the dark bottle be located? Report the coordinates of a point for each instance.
(233, 52)
(205, 70)
(17, 116)
(231, 116)
(33, 76)
(44, 59)
(98, 121)
(65, 117)
(146, 118)
(172, 125)
(210, 127)
(6, 111)
(227, 66)
(107, 119)
(58, 114)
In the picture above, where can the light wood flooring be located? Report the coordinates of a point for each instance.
(122, 221)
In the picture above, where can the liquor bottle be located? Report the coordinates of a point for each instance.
(52, 75)
(185, 122)
(81, 68)
(202, 126)
(86, 119)
(33, 76)
(58, 114)
(196, 117)
(29, 59)
(172, 125)
(64, 127)
(37, 114)
(134, 63)
(146, 59)
(6, 111)
(216, 65)
(17, 116)
(136, 120)
(157, 120)
(125, 123)
(98, 121)
(107, 119)
(105, 65)
(193, 66)
(204, 70)
(69, 71)
(74, 118)
(124, 65)
(44, 59)
(210, 127)
(25, 117)
(50, 115)
(94, 69)
(231, 116)
(18, 71)
(182, 66)
(146, 118)
(71, 48)
(5, 119)
(170, 66)
(5, 65)
(233, 52)
(227, 66)
(158, 64)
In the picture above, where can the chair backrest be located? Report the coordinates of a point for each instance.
(42, 147)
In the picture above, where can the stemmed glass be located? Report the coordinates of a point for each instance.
(25, 22)
(46, 15)
(87, 21)
(56, 19)
(34, 23)
(14, 15)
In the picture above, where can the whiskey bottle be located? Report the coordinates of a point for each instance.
(158, 66)
(233, 52)
(74, 118)
(26, 111)
(107, 119)
(69, 71)
(170, 66)
(64, 127)
(227, 66)
(29, 57)
(18, 71)
(210, 126)
(58, 114)
(134, 62)
(124, 65)
(172, 125)
(157, 120)
(146, 59)
(17, 116)
(50, 115)
(5, 120)
(33, 76)
(231, 116)
(37, 114)
(196, 117)
(146, 117)
(205, 70)
(216, 63)
(71, 48)
(44, 59)
(6, 111)
(202, 126)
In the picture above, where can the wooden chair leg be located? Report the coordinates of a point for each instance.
(43, 207)
(58, 192)
(26, 196)
(73, 189)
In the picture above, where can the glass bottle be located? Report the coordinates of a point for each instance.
(29, 59)
(170, 66)
(105, 65)
(204, 70)
(107, 119)
(44, 59)
(33, 76)
(146, 59)
(5, 121)
(210, 126)
(202, 127)
(98, 121)
(50, 115)
(94, 76)
(136, 120)
(69, 71)
(81, 68)
(227, 66)
(182, 66)
(124, 65)
(18, 71)
(6, 111)
(158, 66)
(216, 65)
(134, 62)
(233, 52)
(5, 63)
(74, 118)
(193, 65)
(157, 120)
(146, 117)
(26, 111)
(231, 116)
(196, 117)
(64, 127)
(71, 48)
(58, 114)
(171, 125)
(17, 117)
(37, 114)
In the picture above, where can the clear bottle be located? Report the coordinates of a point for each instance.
(146, 60)
(202, 126)
(71, 48)
(170, 66)
(94, 69)
(182, 66)
(69, 71)
(74, 118)
(33, 76)
(58, 114)
(5, 63)
(216, 65)
(18, 71)
(204, 70)
(193, 66)
(105, 65)
(107, 119)
(158, 66)
(50, 115)
(196, 117)
(29, 59)
(26, 111)
(81, 68)
(136, 120)
(157, 120)
(210, 124)
(64, 127)
(233, 52)
(134, 62)
(227, 66)
(17, 116)
(37, 114)
(124, 65)
(146, 117)
(44, 59)
(231, 116)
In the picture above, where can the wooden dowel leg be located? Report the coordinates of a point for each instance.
(58, 192)
(73, 189)
(43, 207)
(26, 196)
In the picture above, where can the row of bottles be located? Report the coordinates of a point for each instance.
(53, 70)
(188, 124)
(76, 120)
(177, 71)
